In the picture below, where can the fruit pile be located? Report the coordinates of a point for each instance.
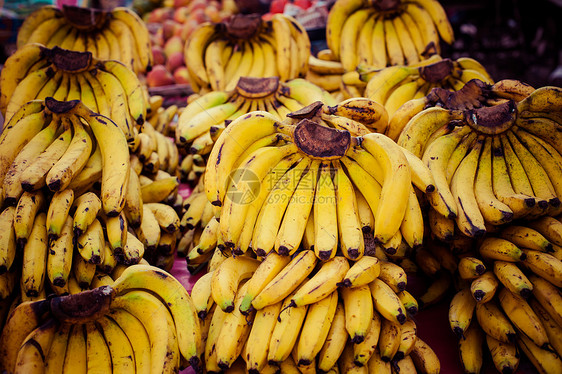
(318, 185)
(170, 27)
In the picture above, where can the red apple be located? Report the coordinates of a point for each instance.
(181, 14)
(174, 44)
(158, 15)
(169, 27)
(158, 54)
(175, 60)
(198, 15)
(181, 75)
(181, 3)
(159, 76)
(187, 28)
(212, 12)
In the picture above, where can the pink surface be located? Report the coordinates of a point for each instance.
(432, 323)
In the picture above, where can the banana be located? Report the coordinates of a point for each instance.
(215, 326)
(469, 219)
(335, 340)
(227, 277)
(409, 302)
(75, 359)
(93, 95)
(461, 311)
(542, 186)
(545, 361)
(91, 243)
(175, 298)
(381, 84)
(336, 21)
(131, 87)
(439, 17)
(287, 280)
(526, 237)
(441, 226)
(493, 210)
(386, 302)
(350, 34)
(544, 128)
(138, 338)
(27, 208)
(549, 227)
(72, 160)
(87, 207)
(286, 331)
(363, 351)
(322, 284)
(501, 249)
(552, 328)
(271, 213)
(471, 268)
(548, 297)
(389, 340)
(263, 324)
(393, 275)
(513, 278)
(234, 332)
(264, 273)
(470, 349)
(116, 161)
(119, 106)
(416, 133)
(35, 257)
(504, 355)
(408, 339)
(298, 210)
(362, 272)
(31, 356)
(346, 364)
(544, 265)
(424, 358)
(397, 178)
(436, 290)
(120, 348)
(357, 323)
(54, 358)
(436, 157)
(141, 42)
(98, 355)
(520, 204)
(459, 154)
(315, 328)
(158, 324)
(259, 124)
(484, 287)
(494, 322)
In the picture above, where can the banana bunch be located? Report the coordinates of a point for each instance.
(119, 34)
(246, 46)
(191, 167)
(395, 85)
(330, 180)
(164, 120)
(386, 33)
(204, 119)
(155, 152)
(511, 297)
(145, 321)
(299, 314)
(493, 163)
(107, 87)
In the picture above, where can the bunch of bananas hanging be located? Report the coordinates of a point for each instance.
(119, 34)
(385, 33)
(220, 53)
(204, 119)
(492, 163)
(303, 315)
(328, 182)
(109, 88)
(145, 321)
(395, 85)
(511, 297)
